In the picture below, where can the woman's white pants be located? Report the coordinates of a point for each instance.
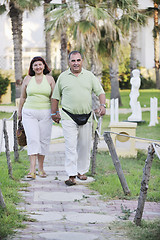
(77, 147)
(38, 126)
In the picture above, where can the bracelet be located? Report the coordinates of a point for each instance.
(53, 114)
(103, 105)
(57, 111)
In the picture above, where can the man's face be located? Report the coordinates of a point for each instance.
(75, 63)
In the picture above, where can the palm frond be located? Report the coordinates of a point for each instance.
(26, 4)
(98, 13)
(86, 26)
(53, 6)
(157, 1)
(127, 5)
(2, 8)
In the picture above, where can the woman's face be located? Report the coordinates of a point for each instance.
(38, 67)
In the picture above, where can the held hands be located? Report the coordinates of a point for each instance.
(56, 117)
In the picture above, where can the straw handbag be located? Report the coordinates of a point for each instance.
(21, 136)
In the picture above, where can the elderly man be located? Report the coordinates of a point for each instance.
(74, 88)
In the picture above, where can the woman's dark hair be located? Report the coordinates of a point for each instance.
(35, 59)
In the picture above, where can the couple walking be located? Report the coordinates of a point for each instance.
(39, 105)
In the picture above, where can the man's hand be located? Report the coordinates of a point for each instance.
(56, 118)
(102, 110)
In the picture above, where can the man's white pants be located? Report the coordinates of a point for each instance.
(77, 147)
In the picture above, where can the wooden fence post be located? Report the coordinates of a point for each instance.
(116, 162)
(7, 148)
(16, 154)
(144, 185)
(94, 152)
(2, 203)
(95, 145)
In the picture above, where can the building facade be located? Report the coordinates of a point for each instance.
(33, 40)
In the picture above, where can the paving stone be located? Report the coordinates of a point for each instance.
(69, 236)
(57, 196)
(91, 218)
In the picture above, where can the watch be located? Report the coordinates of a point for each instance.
(103, 105)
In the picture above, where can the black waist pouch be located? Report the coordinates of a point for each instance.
(80, 119)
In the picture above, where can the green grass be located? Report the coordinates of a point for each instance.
(107, 182)
(149, 230)
(5, 115)
(11, 218)
(11, 104)
(144, 97)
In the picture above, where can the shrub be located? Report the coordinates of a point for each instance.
(55, 74)
(147, 83)
(124, 74)
(106, 80)
(4, 82)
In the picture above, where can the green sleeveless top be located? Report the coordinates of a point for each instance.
(38, 95)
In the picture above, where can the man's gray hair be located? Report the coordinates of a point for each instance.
(74, 52)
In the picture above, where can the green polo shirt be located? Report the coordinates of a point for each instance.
(75, 92)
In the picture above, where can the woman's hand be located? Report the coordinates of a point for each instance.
(19, 116)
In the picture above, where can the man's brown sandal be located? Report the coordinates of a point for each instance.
(82, 177)
(71, 181)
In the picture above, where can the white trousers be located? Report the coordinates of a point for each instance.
(77, 147)
(38, 126)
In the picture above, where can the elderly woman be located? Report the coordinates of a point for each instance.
(35, 112)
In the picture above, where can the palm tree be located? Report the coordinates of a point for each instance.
(156, 43)
(101, 15)
(16, 9)
(64, 53)
(112, 31)
(133, 44)
(134, 36)
(47, 33)
(89, 40)
(109, 49)
(59, 15)
(154, 11)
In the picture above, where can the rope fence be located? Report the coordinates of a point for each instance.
(153, 141)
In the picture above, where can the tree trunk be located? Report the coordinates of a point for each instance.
(116, 162)
(64, 53)
(16, 154)
(96, 69)
(133, 43)
(2, 203)
(47, 35)
(144, 186)
(16, 20)
(156, 46)
(115, 93)
(7, 148)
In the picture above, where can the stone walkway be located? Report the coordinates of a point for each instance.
(71, 213)
(68, 213)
